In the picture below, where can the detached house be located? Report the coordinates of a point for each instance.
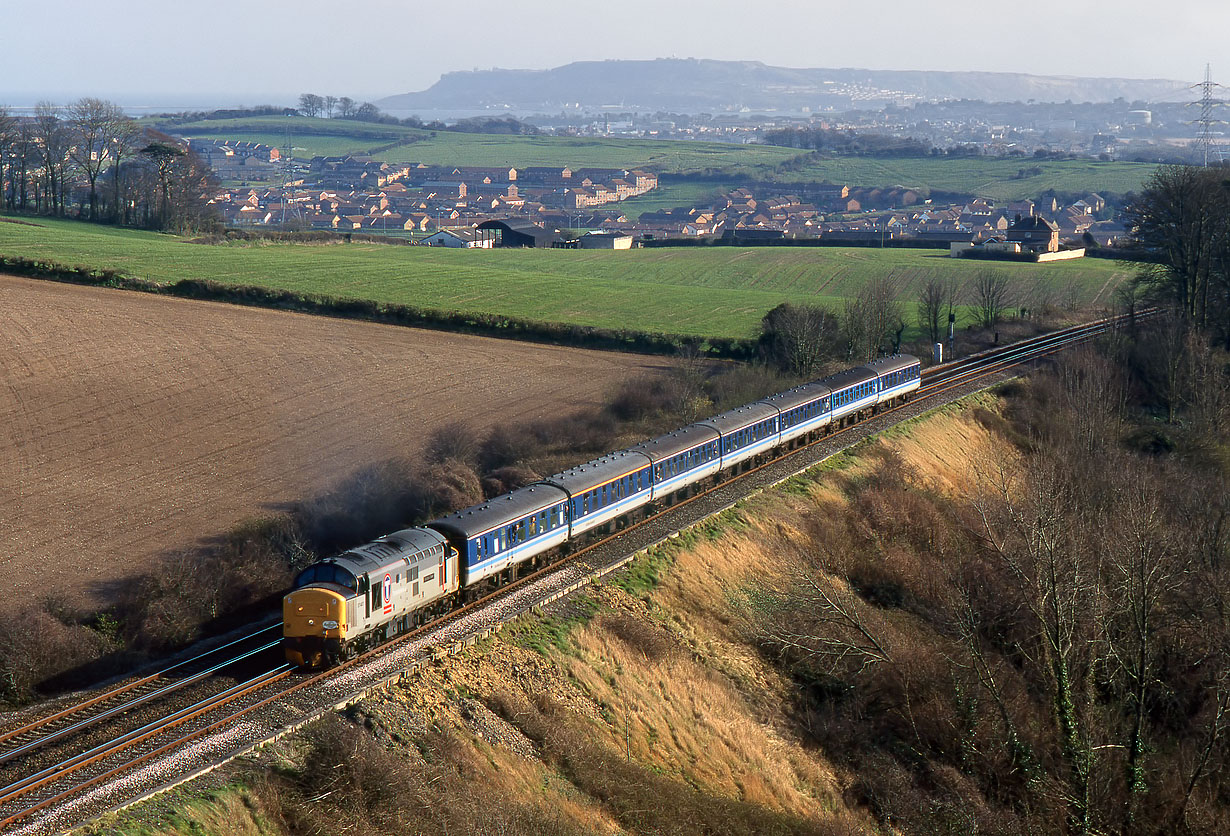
(1035, 233)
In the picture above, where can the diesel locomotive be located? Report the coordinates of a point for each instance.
(345, 604)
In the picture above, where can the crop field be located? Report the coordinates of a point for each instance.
(671, 195)
(709, 291)
(134, 425)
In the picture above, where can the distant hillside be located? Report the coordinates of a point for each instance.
(692, 85)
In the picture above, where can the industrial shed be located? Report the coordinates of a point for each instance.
(522, 234)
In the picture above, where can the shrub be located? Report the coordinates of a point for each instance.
(505, 479)
(457, 440)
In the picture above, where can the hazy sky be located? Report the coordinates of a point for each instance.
(227, 52)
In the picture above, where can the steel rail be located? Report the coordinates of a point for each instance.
(112, 693)
(76, 763)
(133, 703)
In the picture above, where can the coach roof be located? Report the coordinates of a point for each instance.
(798, 396)
(663, 447)
(846, 379)
(593, 474)
(744, 416)
(471, 522)
(888, 365)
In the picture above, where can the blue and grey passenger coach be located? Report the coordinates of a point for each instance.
(604, 489)
(506, 531)
(746, 432)
(682, 458)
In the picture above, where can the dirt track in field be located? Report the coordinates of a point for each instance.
(132, 425)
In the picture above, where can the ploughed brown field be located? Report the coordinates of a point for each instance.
(132, 425)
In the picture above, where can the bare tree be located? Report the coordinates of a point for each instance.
(930, 310)
(992, 296)
(873, 320)
(8, 156)
(799, 337)
(23, 157)
(1031, 528)
(1095, 395)
(53, 140)
(831, 629)
(94, 123)
(346, 107)
(310, 104)
(1143, 572)
(125, 143)
(330, 103)
(686, 383)
(1206, 387)
(1181, 215)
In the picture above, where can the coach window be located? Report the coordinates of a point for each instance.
(533, 526)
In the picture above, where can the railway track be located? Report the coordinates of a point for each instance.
(23, 740)
(40, 788)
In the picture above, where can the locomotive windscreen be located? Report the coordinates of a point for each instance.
(326, 573)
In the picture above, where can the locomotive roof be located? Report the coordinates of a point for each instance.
(598, 472)
(740, 417)
(665, 446)
(887, 365)
(798, 396)
(399, 547)
(850, 377)
(479, 519)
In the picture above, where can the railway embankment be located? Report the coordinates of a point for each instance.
(655, 701)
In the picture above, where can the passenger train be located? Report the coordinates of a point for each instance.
(345, 604)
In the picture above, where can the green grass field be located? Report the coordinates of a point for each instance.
(311, 137)
(718, 291)
(986, 177)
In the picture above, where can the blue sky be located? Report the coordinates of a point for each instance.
(226, 52)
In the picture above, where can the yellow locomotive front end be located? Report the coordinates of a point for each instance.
(313, 626)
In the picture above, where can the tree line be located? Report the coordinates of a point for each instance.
(344, 107)
(802, 339)
(91, 161)
(848, 142)
(1183, 217)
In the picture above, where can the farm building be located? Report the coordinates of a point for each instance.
(605, 241)
(515, 233)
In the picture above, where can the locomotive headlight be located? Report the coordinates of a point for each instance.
(329, 625)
